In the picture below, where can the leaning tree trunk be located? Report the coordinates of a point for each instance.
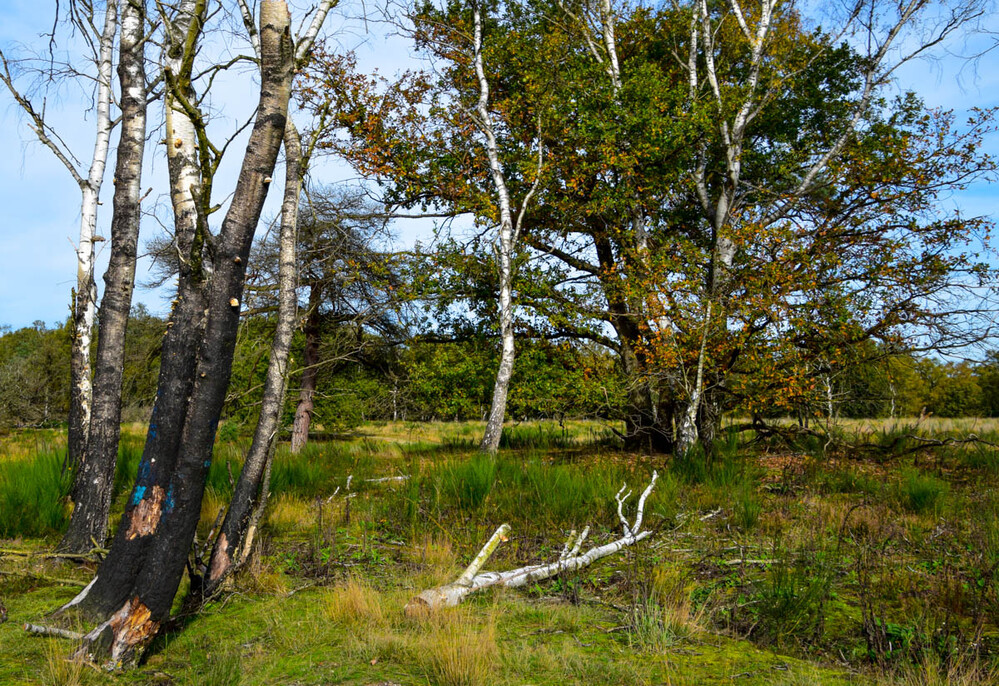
(310, 372)
(497, 410)
(95, 475)
(85, 296)
(178, 358)
(165, 518)
(234, 539)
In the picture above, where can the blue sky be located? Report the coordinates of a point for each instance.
(40, 218)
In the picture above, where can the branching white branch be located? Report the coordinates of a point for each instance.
(303, 46)
(473, 580)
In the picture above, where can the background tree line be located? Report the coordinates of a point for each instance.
(362, 376)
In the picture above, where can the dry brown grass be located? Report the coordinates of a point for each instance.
(925, 426)
(211, 506)
(353, 603)
(458, 650)
(27, 444)
(287, 512)
(435, 555)
(931, 673)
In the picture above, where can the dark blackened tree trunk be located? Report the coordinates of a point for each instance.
(178, 359)
(95, 475)
(135, 585)
(648, 422)
(235, 537)
(310, 372)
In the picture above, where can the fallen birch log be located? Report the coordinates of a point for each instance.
(472, 580)
(52, 631)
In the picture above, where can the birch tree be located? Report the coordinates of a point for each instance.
(887, 34)
(94, 479)
(505, 245)
(90, 180)
(131, 595)
(445, 136)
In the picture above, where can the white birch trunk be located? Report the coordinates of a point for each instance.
(86, 289)
(689, 432)
(505, 247)
(181, 134)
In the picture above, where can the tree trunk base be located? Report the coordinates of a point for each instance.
(120, 641)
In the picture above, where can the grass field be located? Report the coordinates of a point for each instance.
(812, 563)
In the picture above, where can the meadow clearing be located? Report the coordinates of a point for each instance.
(770, 563)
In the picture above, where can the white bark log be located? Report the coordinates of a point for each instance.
(473, 580)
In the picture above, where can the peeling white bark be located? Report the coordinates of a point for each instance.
(505, 246)
(181, 134)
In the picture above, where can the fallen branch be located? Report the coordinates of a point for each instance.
(52, 631)
(43, 577)
(386, 479)
(472, 580)
(53, 556)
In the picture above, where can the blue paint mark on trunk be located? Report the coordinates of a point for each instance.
(138, 494)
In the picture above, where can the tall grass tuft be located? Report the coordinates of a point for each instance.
(353, 604)
(455, 652)
(790, 600)
(468, 484)
(656, 628)
(33, 496)
(61, 670)
(724, 470)
(540, 436)
(921, 492)
(747, 507)
(664, 615)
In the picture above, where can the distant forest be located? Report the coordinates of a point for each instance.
(363, 376)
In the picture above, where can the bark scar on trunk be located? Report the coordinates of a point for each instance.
(146, 515)
(220, 561)
(132, 628)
